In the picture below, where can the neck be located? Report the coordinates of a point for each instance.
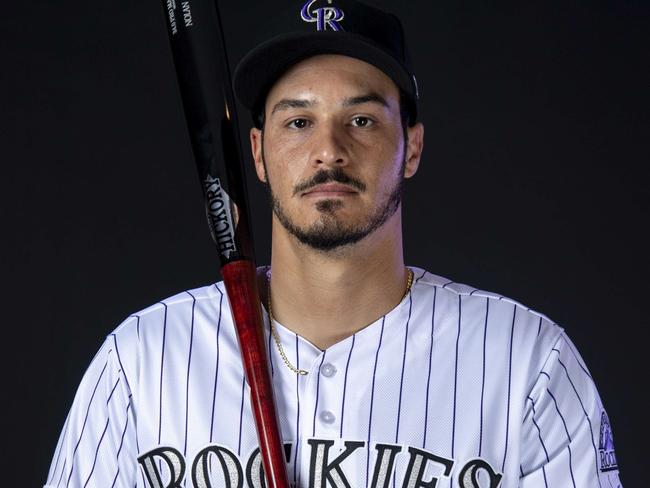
(327, 297)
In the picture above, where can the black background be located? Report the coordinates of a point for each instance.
(532, 184)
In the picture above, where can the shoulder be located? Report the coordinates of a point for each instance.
(145, 334)
(500, 329)
(469, 310)
(172, 309)
(448, 289)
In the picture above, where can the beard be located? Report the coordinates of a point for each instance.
(329, 232)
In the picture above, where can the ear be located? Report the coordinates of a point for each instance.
(414, 149)
(256, 136)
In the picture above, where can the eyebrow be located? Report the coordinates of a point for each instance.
(288, 103)
(369, 98)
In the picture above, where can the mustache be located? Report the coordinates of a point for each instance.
(329, 176)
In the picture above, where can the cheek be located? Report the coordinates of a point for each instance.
(390, 173)
(280, 169)
(276, 147)
(386, 185)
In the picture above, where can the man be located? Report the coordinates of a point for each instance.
(385, 375)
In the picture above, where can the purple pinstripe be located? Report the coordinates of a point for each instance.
(372, 396)
(565, 429)
(216, 369)
(487, 312)
(119, 449)
(162, 364)
(313, 433)
(187, 378)
(345, 383)
(453, 425)
(241, 412)
(83, 427)
(295, 456)
(512, 333)
(401, 381)
(97, 452)
(539, 433)
(426, 403)
(593, 442)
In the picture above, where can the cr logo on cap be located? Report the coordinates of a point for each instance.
(323, 16)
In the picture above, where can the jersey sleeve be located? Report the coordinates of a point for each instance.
(97, 444)
(566, 435)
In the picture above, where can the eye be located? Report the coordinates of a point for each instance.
(361, 121)
(298, 123)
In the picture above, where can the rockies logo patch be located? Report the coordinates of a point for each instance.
(606, 445)
(325, 17)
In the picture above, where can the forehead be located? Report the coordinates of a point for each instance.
(332, 76)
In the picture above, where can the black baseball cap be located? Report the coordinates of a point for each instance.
(314, 27)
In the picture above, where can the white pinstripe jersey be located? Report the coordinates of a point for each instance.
(453, 387)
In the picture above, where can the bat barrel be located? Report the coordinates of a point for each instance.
(240, 279)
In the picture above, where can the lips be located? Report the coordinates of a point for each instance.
(330, 190)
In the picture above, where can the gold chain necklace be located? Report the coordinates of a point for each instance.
(276, 337)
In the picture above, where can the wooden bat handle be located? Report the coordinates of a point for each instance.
(240, 278)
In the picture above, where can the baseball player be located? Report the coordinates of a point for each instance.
(384, 375)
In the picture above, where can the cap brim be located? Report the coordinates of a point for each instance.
(260, 69)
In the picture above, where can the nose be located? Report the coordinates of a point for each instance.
(329, 146)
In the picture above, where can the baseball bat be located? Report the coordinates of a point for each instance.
(201, 63)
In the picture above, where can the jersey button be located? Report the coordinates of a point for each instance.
(327, 417)
(328, 370)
